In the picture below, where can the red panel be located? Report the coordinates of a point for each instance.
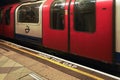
(9, 29)
(96, 45)
(54, 39)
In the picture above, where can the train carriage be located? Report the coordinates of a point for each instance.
(86, 28)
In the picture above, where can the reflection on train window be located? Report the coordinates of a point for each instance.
(28, 13)
(1, 15)
(84, 16)
(7, 16)
(57, 15)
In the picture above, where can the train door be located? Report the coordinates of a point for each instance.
(55, 24)
(91, 29)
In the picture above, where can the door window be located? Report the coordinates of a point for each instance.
(57, 15)
(84, 16)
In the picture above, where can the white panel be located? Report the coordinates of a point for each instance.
(117, 26)
(35, 28)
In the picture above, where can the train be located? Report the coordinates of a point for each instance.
(86, 28)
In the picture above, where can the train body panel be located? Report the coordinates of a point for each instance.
(8, 20)
(117, 26)
(117, 31)
(29, 21)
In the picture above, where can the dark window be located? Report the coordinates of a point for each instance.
(1, 15)
(29, 13)
(7, 16)
(84, 16)
(57, 15)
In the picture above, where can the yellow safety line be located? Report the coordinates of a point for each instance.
(57, 63)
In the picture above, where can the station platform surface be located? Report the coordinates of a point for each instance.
(19, 63)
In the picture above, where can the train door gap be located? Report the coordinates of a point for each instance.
(69, 27)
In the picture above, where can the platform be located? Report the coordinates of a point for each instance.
(20, 63)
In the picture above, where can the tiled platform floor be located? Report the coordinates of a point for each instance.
(11, 70)
(14, 66)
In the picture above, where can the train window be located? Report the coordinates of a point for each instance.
(57, 15)
(84, 16)
(7, 16)
(1, 15)
(28, 13)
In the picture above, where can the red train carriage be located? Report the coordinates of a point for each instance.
(87, 28)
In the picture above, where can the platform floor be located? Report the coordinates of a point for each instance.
(16, 65)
